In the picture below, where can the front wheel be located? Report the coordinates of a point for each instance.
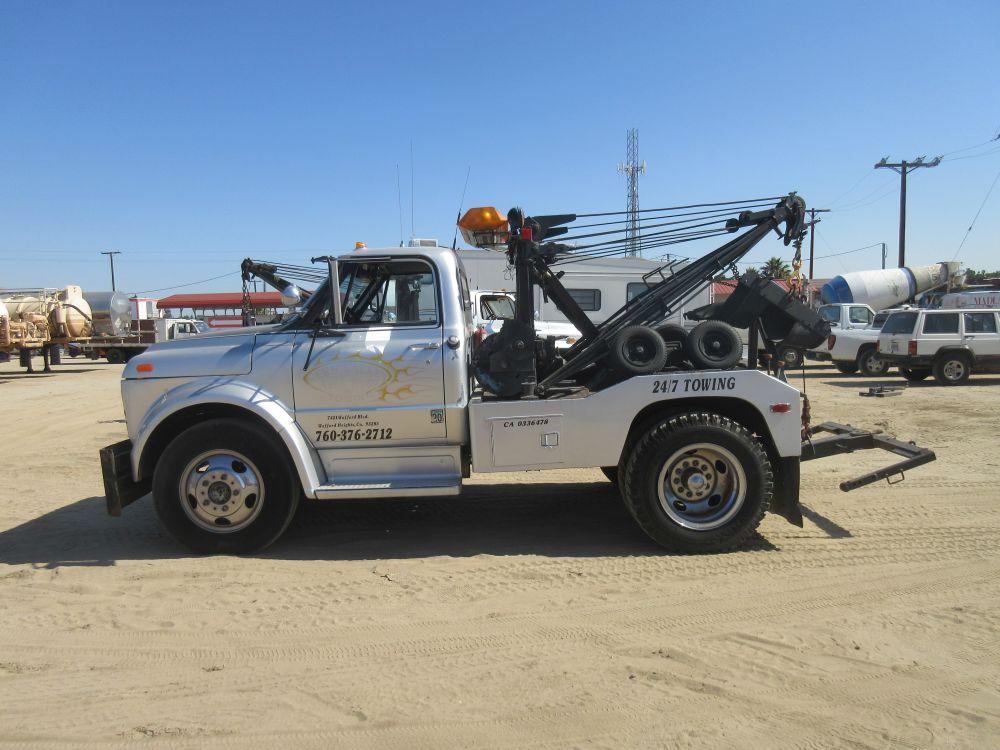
(698, 483)
(225, 486)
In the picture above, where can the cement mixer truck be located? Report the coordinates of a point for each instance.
(890, 286)
(40, 320)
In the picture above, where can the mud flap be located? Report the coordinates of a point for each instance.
(785, 496)
(847, 439)
(119, 487)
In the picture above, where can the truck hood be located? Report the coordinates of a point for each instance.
(226, 352)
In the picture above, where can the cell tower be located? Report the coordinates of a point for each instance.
(632, 169)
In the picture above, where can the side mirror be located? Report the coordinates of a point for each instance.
(291, 296)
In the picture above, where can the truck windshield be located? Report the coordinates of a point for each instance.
(901, 322)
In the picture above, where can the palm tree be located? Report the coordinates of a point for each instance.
(775, 268)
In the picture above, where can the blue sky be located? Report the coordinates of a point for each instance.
(189, 135)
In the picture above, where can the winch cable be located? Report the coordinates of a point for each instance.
(653, 236)
(717, 214)
(693, 205)
(764, 204)
(617, 249)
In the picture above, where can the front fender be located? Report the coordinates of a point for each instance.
(233, 392)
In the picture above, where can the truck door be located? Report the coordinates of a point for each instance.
(378, 378)
(980, 334)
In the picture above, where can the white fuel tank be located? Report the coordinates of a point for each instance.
(111, 312)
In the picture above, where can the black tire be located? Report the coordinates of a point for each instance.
(672, 333)
(871, 363)
(914, 375)
(847, 368)
(115, 356)
(791, 356)
(714, 345)
(665, 442)
(952, 368)
(279, 486)
(638, 350)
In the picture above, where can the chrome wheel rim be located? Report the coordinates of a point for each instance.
(701, 487)
(791, 357)
(221, 491)
(954, 369)
(874, 363)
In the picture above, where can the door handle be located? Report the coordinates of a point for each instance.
(425, 345)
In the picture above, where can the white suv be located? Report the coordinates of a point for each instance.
(950, 343)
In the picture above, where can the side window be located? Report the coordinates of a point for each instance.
(589, 300)
(941, 323)
(861, 315)
(463, 286)
(635, 289)
(980, 323)
(830, 313)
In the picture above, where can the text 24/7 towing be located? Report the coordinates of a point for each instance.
(373, 390)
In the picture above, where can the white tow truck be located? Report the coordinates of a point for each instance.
(369, 391)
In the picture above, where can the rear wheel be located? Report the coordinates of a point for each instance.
(115, 356)
(847, 368)
(952, 369)
(914, 375)
(871, 363)
(698, 483)
(225, 486)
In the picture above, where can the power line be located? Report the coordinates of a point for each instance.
(190, 283)
(974, 218)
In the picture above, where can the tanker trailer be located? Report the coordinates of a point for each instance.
(66, 311)
(888, 287)
(111, 313)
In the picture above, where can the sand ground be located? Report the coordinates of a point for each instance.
(528, 613)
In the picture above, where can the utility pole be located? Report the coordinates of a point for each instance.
(631, 168)
(813, 221)
(883, 256)
(903, 168)
(111, 256)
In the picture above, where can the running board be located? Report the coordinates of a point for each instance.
(847, 439)
(373, 490)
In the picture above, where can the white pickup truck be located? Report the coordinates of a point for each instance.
(851, 344)
(490, 308)
(367, 392)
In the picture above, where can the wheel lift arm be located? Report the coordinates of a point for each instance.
(847, 439)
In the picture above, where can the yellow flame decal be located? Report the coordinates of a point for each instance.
(393, 378)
